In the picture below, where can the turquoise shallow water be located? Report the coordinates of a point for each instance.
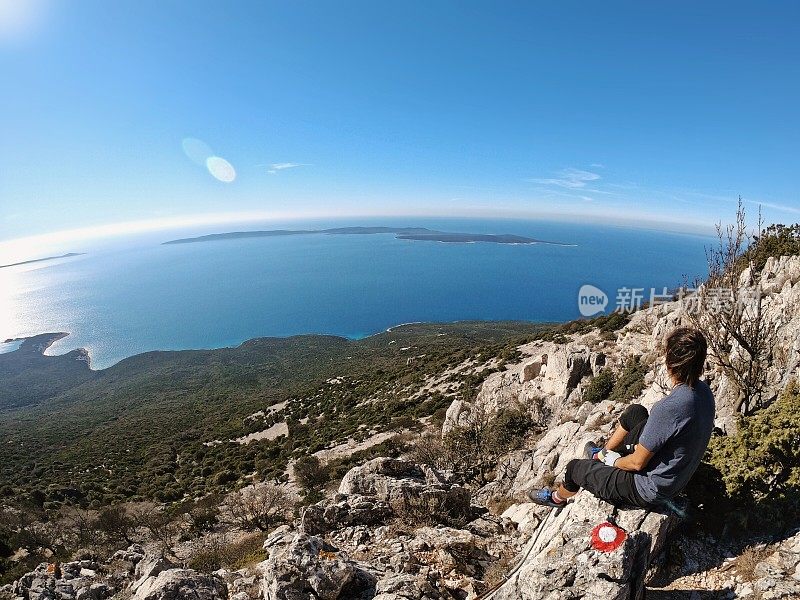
(123, 299)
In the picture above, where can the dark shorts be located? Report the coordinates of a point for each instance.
(609, 483)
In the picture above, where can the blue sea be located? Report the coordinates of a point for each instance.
(133, 295)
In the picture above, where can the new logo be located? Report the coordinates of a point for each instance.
(591, 300)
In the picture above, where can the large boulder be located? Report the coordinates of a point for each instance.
(344, 511)
(406, 587)
(309, 569)
(407, 488)
(177, 584)
(560, 561)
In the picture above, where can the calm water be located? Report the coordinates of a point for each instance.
(129, 298)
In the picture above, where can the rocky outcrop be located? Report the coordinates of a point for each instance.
(547, 384)
(407, 488)
(777, 575)
(139, 575)
(344, 511)
(560, 561)
(177, 584)
(310, 568)
(80, 580)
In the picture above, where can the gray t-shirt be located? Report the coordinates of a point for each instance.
(677, 433)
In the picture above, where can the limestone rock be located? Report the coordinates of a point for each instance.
(561, 563)
(406, 486)
(309, 569)
(177, 584)
(344, 511)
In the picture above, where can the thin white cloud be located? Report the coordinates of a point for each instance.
(275, 167)
(775, 206)
(568, 178)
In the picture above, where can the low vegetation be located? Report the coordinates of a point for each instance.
(473, 450)
(774, 240)
(217, 552)
(599, 387)
(623, 388)
(761, 462)
(160, 426)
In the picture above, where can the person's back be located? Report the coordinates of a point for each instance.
(677, 433)
(651, 456)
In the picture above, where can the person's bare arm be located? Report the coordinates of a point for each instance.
(634, 462)
(616, 438)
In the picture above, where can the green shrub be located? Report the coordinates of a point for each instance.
(775, 240)
(751, 480)
(224, 478)
(310, 473)
(762, 461)
(508, 429)
(630, 382)
(600, 387)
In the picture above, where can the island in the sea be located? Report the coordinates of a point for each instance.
(401, 233)
(36, 260)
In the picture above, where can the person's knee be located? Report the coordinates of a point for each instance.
(633, 415)
(569, 480)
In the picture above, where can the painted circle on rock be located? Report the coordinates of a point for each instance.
(607, 537)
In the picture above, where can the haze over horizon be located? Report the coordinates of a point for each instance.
(123, 118)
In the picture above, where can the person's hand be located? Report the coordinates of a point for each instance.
(610, 457)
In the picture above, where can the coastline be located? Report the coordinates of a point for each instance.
(37, 345)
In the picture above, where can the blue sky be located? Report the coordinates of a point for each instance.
(626, 111)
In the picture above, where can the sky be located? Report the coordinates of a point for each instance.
(134, 115)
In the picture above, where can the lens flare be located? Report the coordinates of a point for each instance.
(197, 150)
(220, 169)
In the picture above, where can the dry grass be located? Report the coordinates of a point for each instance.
(217, 553)
(548, 478)
(498, 569)
(747, 561)
(497, 505)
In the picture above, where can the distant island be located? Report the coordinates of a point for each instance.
(401, 233)
(35, 260)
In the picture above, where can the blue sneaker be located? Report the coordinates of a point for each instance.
(591, 450)
(545, 498)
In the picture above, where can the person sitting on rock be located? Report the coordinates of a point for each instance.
(649, 459)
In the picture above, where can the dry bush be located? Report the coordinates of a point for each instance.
(216, 552)
(261, 508)
(473, 450)
(748, 559)
(162, 526)
(548, 478)
(428, 449)
(431, 510)
(498, 504)
(740, 336)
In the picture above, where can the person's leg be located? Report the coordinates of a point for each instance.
(632, 420)
(607, 483)
(625, 435)
(575, 476)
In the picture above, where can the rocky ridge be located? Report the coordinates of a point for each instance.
(397, 530)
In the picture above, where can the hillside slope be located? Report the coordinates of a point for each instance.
(120, 433)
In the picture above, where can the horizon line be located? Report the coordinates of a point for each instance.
(20, 248)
